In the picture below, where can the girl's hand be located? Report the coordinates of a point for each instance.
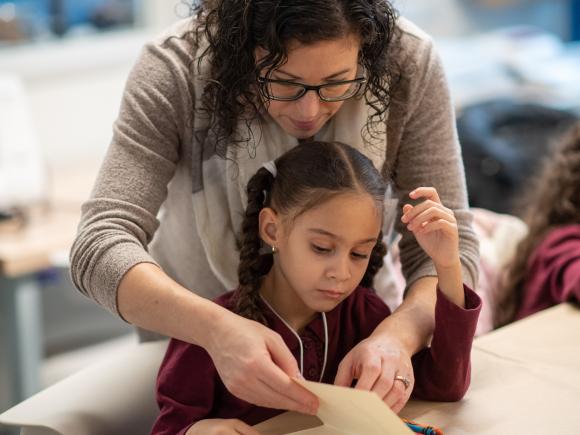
(218, 426)
(255, 365)
(434, 227)
(375, 362)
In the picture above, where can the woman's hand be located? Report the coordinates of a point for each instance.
(255, 365)
(434, 227)
(375, 362)
(218, 426)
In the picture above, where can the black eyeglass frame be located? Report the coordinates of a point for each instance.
(263, 82)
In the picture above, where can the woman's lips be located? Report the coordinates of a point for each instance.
(304, 125)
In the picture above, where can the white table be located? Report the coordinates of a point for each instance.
(525, 379)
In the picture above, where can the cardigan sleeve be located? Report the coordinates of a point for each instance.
(119, 219)
(423, 149)
(443, 370)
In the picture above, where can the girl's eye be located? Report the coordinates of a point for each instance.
(320, 249)
(359, 256)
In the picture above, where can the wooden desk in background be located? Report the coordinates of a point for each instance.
(23, 254)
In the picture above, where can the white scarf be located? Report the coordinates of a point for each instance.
(219, 206)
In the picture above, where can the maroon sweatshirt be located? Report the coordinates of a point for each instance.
(189, 388)
(553, 271)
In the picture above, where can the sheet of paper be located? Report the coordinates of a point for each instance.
(342, 411)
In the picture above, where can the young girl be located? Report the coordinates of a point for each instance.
(310, 246)
(546, 268)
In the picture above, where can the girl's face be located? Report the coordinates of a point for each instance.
(322, 256)
(314, 64)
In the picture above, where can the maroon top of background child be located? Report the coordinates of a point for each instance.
(553, 272)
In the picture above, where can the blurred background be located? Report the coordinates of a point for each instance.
(513, 68)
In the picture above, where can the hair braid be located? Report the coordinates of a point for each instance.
(375, 262)
(253, 266)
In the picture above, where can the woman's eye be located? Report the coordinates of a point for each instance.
(359, 256)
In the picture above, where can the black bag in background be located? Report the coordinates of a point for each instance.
(503, 143)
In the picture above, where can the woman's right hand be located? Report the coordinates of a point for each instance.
(219, 426)
(255, 365)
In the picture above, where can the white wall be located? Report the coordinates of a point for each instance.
(75, 86)
(455, 18)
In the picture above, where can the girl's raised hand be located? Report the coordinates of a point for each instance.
(434, 227)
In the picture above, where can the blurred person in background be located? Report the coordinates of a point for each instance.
(545, 270)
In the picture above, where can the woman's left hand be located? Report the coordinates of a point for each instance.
(376, 362)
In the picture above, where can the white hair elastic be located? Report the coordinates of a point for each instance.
(271, 167)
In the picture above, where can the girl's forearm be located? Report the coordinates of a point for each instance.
(451, 283)
(150, 299)
(412, 324)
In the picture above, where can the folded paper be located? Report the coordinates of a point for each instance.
(342, 411)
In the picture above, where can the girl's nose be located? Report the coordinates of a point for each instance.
(308, 106)
(340, 270)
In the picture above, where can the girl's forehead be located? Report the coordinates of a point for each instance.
(350, 216)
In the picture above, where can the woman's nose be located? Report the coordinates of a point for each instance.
(308, 105)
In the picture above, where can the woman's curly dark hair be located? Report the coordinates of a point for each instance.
(307, 176)
(553, 200)
(233, 29)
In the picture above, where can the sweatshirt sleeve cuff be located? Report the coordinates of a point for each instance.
(111, 268)
(446, 310)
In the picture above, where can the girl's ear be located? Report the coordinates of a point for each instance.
(270, 230)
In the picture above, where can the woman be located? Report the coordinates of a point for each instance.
(205, 106)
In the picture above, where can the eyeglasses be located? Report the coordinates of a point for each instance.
(285, 90)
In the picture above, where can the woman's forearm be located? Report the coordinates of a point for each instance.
(150, 299)
(242, 350)
(414, 321)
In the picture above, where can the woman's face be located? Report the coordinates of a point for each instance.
(312, 64)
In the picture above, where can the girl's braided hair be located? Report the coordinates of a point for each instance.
(307, 176)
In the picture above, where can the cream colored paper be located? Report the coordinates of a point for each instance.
(342, 411)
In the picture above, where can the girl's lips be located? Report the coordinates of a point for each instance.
(331, 294)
